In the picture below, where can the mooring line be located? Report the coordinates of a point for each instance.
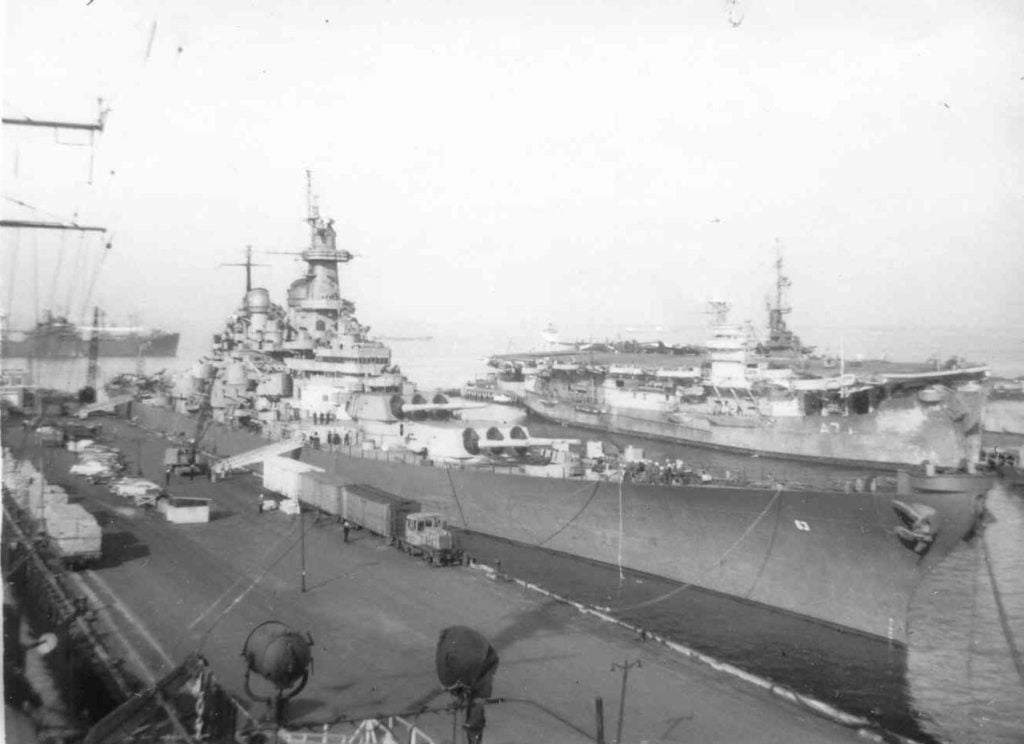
(719, 562)
(1004, 619)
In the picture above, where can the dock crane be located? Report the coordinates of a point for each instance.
(188, 459)
(87, 394)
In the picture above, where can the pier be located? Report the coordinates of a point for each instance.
(165, 591)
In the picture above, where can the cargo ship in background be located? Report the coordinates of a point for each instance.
(56, 337)
(848, 557)
(772, 399)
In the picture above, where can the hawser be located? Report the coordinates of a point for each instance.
(851, 559)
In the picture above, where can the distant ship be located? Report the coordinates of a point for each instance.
(55, 337)
(769, 399)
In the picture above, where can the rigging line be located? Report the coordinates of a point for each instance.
(622, 576)
(252, 585)
(35, 272)
(55, 217)
(11, 277)
(717, 563)
(17, 109)
(20, 203)
(767, 554)
(972, 641)
(76, 268)
(456, 495)
(556, 533)
(56, 273)
(1004, 621)
(95, 276)
(550, 711)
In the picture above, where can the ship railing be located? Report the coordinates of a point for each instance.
(693, 475)
(370, 731)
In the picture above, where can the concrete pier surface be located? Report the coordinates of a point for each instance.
(375, 614)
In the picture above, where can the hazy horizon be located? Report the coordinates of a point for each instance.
(588, 164)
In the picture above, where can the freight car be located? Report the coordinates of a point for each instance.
(397, 519)
(74, 533)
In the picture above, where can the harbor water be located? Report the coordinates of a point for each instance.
(960, 678)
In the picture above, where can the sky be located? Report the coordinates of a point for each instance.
(504, 165)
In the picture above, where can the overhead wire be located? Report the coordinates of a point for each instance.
(76, 270)
(35, 274)
(92, 282)
(56, 274)
(12, 276)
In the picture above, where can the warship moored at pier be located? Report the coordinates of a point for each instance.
(850, 558)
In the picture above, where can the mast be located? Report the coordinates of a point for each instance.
(778, 311)
(92, 374)
(248, 264)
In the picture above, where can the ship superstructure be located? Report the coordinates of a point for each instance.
(733, 397)
(781, 341)
(309, 369)
(310, 359)
(56, 337)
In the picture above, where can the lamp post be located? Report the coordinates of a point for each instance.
(622, 695)
(302, 537)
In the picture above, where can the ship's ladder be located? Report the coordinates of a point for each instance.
(253, 456)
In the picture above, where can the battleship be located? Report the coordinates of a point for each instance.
(56, 337)
(848, 557)
(770, 399)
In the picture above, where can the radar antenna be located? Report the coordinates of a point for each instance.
(248, 264)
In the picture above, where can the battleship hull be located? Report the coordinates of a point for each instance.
(53, 346)
(833, 557)
(1004, 421)
(907, 434)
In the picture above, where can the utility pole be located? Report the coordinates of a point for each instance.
(302, 537)
(625, 667)
(92, 373)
